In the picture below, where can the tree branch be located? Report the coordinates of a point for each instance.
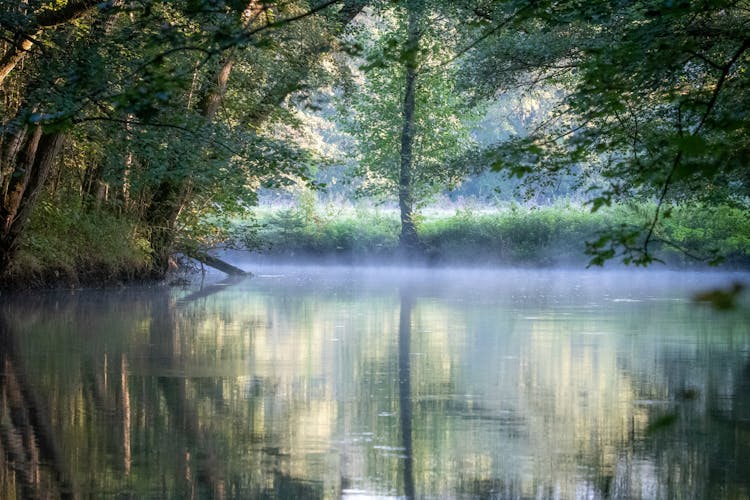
(173, 126)
(725, 70)
(484, 36)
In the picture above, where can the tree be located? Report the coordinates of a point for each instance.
(28, 148)
(663, 103)
(155, 77)
(268, 72)
(408, 117)
(653, 106)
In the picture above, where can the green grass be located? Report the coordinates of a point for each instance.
(69, 245)
(65, 244)
(511, 236)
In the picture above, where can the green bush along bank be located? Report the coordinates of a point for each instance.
(67, 245)
(543, 236)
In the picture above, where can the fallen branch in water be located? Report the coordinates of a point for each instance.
(216, 263)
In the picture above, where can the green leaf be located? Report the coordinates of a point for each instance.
(692, 145)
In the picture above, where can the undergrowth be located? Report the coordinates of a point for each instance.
(69, 245)
(542, 236)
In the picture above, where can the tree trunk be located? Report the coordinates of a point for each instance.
(31, 168)
(213, 97)
(216, 263)
(170, 197)
(408, 240)
(161, 217)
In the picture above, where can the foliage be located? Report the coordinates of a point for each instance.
(553, 235)
(654, 107)
(309, 230)
(155, 127)
(171, 115)
(68, 244)
(373, 111)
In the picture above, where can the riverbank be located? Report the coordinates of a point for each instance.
(514, 236)
(69, 247)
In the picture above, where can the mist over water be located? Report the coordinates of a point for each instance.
(363, 382)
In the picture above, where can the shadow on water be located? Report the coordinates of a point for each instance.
(94, 404)
(212, 289)
(706, 419)
(205, 459)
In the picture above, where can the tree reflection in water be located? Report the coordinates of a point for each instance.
(404, 389)
(293, 389)
(31, 464)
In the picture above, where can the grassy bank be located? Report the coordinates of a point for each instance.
(67, 246)
(543, 236)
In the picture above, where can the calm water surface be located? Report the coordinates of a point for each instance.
(374, 383)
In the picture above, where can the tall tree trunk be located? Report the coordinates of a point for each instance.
(31, 166)
(408, 240)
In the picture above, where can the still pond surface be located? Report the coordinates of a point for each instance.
(374, 383)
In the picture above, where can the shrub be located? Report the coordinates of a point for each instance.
(68, 244)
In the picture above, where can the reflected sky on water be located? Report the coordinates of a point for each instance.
(374, 383)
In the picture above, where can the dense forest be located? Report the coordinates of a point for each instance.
(136, 130)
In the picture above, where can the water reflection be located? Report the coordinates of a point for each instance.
(404, 388)
(347, 383)
(32, 466)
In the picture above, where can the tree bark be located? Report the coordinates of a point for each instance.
(408, 240)
(161, 216)
(213, 97)
(30, 171)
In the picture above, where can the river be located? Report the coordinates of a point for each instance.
(305, 382)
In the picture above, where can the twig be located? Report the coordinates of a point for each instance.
(725, 70)
(484, 36)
